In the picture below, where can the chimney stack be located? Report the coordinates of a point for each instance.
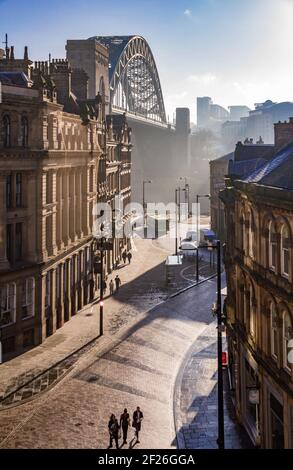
(25, 56)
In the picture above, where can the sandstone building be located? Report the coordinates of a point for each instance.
(259, 305)
(59, 155)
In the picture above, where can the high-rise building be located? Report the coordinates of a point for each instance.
(203, 111)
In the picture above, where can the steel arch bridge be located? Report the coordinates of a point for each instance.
(134, 80)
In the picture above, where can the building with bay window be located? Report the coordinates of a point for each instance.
(259, 304)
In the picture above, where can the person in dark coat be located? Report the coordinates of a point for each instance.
(111, 286)
(136, 423)
(124, 423)
(117, 282)
(124, 256)
(129, 256)
(113, 427)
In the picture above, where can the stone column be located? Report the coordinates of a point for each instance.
(65, 207)
(53, 301)
(72, 208)
(61, 306)
(68, 295)
(79, 203)
(54, 212)
(85, 202)
(59, 211)
(31, 193)
(40, 309)
(42, 241)
(3, 255)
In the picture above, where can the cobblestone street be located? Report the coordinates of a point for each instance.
(136, 367)
(136, 362)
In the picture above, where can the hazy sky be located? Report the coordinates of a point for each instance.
(236, 51)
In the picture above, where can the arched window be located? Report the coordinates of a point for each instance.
(285, 251)
(274, 340)
(250, 236)
(272, 247)
(242, 232)
(6, 131)
(24, 131)
(102, 93)
(287, 337)
(252, 314)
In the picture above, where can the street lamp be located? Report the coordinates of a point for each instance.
(143, 199)
(198, 196)
(187, 195)
(177, 191)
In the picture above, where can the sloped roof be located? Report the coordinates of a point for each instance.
(14, 78)
(278, 172)
(245, 167)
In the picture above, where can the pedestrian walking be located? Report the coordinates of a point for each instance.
(124, 423)
(136, 422)
(113, 427)
(117, 282)
(124, 256)
(129, 256)
(111, 287)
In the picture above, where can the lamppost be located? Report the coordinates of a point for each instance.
(221, 433)
(198, 196)
(102, 285)
(143, 199)
(177, 191)
(187, 195)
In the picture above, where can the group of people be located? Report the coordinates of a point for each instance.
(126, 256)
(115, 427)
(116, 282)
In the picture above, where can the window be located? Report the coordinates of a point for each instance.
(8, 191)
(7, 131)
(24, 131)
(18, 189)
(285, 251)
(28, 298)
(274, 332)
(18, 241)
(252, 314)
(9, 242)
(250, 236)
(272, 247)
(287, 337)
(7, 304)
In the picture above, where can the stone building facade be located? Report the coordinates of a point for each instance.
(259, 304)
(53, 149)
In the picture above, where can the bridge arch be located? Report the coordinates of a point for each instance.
(135, 85)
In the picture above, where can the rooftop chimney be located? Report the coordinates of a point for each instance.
(283, 134)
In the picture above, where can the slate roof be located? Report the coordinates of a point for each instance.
(245, 167)
(14, 78)
(278, 172)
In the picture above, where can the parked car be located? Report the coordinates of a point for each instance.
(187, 248)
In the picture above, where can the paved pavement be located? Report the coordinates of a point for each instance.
(136, 366)
(196, 400)
(143, 286)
